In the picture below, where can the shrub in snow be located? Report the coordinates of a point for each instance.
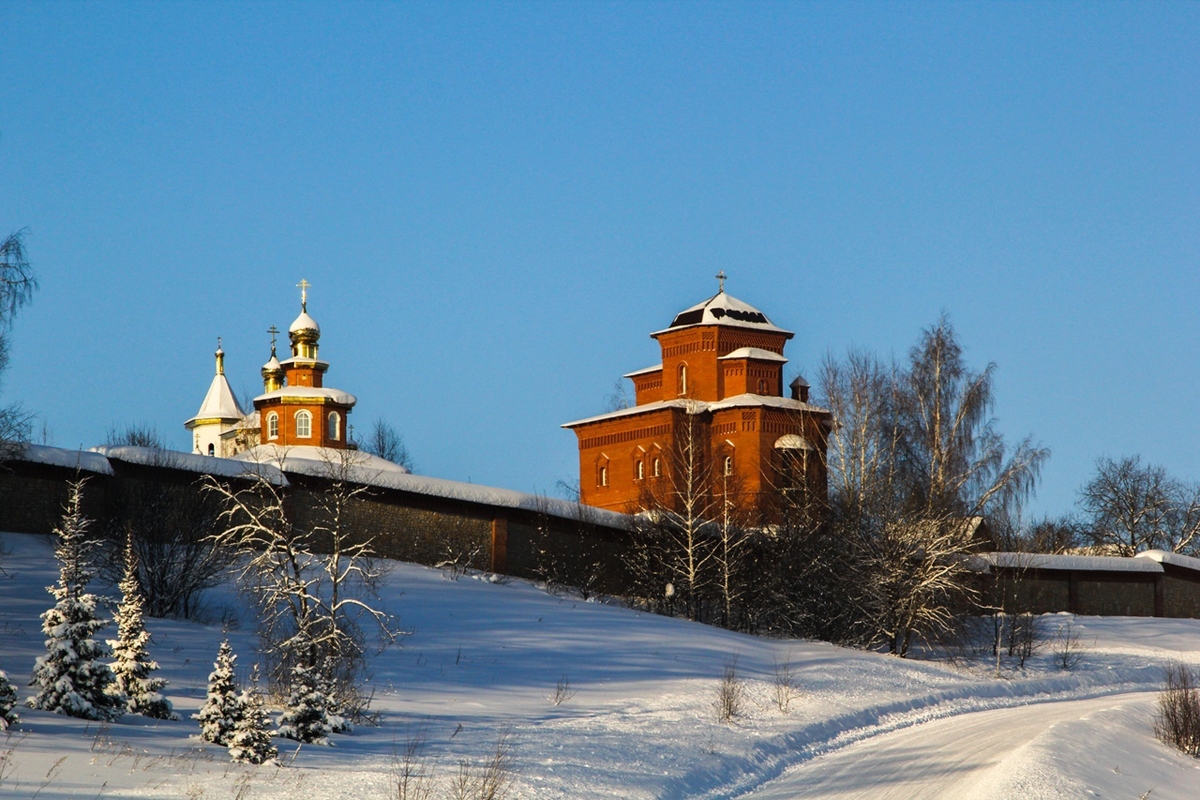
(1177, 720)
(221, 709)
(307, 715)
(8, 699)
(71, 678)
(132, 664)
(334, 709)
(250, 740)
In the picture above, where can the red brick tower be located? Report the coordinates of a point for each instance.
(720, 383)
(296, 408)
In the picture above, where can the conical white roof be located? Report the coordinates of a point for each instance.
(219, 403)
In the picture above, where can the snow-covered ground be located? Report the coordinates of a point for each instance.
(486, 656)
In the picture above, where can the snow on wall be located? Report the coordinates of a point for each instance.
(1175, 559)
(72, 459)
(190, 462)
(1085, 563)
(372, 471)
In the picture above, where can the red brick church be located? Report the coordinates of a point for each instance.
(714, 408)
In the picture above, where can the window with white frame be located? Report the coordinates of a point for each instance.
(303, 424)
(335, 426)
(272, 425)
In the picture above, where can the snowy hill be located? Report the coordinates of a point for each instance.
(486, 656)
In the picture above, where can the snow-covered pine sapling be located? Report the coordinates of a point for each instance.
(71, 679)
(335, 710)
(307, 716)
(131, 662)
(8, 699)
(222, 709)
(250, 740)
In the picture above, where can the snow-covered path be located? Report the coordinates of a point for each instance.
(1042, 750)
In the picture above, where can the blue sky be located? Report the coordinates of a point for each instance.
(496, 203)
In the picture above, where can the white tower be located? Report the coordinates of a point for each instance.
(218, 413)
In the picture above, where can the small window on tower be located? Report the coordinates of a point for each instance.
(335, 426)
(728, 465)
(212, 451)
(657, 468)
(303, 424)
(762, 386)
(641, 470)
(272, 425)
(683, 384)
(604, 476)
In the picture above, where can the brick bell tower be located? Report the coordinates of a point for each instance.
(720, 381)
(296, 408)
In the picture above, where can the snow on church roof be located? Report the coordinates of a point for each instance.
(304, 323)
(755, 353)
(700, 406)
(308, 393)
(219, 403)
(723, 309)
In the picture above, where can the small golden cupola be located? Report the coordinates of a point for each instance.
(304, 332)
(272, 371)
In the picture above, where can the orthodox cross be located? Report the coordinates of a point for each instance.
(303, 284)
(721, 278)
(274, 332)
(218, 342)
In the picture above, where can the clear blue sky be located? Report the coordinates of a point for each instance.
(496, 203)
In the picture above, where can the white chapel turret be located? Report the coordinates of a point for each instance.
(218, 413)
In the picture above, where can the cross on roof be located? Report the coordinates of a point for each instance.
(274, 332)
(304, 284)
(721, 277)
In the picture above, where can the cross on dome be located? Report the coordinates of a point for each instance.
(304, 284)
(721, 279)
(274, 332)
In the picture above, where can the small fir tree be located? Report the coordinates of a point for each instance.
(307, 715)
(250, 740)
(222, 709)
(132, 664)
(71, 678)
(8, 699)
(334, 710)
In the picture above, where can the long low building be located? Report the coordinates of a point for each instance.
(1155, 583)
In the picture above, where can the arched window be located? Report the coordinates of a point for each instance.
(212, 451)
(656, 468)
(303, 424)
(604, 476)
(728, 465)
(641, 470)
(683, 386)
(272, 425)
(762, 386)
(335, 426)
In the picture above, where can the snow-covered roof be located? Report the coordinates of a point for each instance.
(219, 403)
(700, 406)
(723, 309)
(756, 353)
(308, 393)
(304, 323)
(190, 462)
(317, 461)
(62, 457)
(793, 441)
(272, 364)
(1175, 559)
(643, 371)
(1069, 562)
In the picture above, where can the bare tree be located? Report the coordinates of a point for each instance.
(1127, 503)
(314, 587)
(17, 284)
(384, 441)
(674, 546)
(171, 526)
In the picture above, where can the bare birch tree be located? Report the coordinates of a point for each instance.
(17, 284)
